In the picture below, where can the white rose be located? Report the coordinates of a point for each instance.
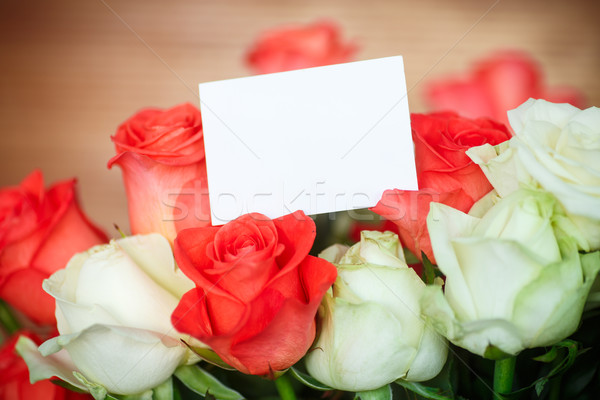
(113, 310)
(557, 148)
(371, 332)
(514, 278)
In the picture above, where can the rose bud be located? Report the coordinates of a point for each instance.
(556, 148)
(257, 290)
(445, 173)
(514, 277)
(296, 47)
(161, 155)
(113, 308)
(40, 230)
(371, 327)
(496, 84)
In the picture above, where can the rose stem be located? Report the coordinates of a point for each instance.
(284, 387)
(504, 372)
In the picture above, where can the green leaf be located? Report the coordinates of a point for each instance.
(176, 392)
(539, 386)
(383, 393)
(561, 366)
(494, 353)
(423, 391)
(548, 357)
(164, 391)
(209, 356)
(573, 350)
(410, 257)
(204, 384)
(99, 392)
(147, 395)
(308, 380)
(7, 319)
(66, 385)
(428, 270)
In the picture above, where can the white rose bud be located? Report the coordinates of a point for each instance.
(371, 329)
(556, 148)
(113, 310)
(514, 277)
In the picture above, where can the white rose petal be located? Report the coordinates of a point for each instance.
(514, 279)
(372, 331)
(123, 360)
(113, 309)
(557, 149)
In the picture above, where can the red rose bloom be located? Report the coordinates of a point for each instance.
(297, 47)
(497, 84)
(39, 232)
(257, 290)
(161, 154)
(14, 378)
(445, 173)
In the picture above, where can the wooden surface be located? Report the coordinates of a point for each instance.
(72, 70)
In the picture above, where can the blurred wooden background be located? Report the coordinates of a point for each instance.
(72, 70)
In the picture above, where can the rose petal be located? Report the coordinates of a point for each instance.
(154, 193)
(297, 233)
(37, 304)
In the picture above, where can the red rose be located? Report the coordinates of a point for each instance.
(257, 290)
(161, 154)
(14, 378)
(39, 232)
(497, 84)
(445, 173)
(296, 47)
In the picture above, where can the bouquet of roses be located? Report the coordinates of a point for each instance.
(505, 231)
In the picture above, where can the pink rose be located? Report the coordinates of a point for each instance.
(295, 47)
(161, 155)
(40, 230)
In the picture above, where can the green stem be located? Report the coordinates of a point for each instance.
(7, 319)
(555, 383)
(284, 387)
(504, 372)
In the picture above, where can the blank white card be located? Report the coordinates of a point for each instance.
(320, 139)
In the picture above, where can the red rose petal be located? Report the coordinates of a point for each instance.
(161, 197)
(23, 291)
(290, 333)
(73, 233)
(191, 248)
(39, 232)
(297, 233)
(191, 314)
(444, 172)
(257, 325)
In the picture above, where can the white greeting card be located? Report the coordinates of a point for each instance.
(320, 139)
